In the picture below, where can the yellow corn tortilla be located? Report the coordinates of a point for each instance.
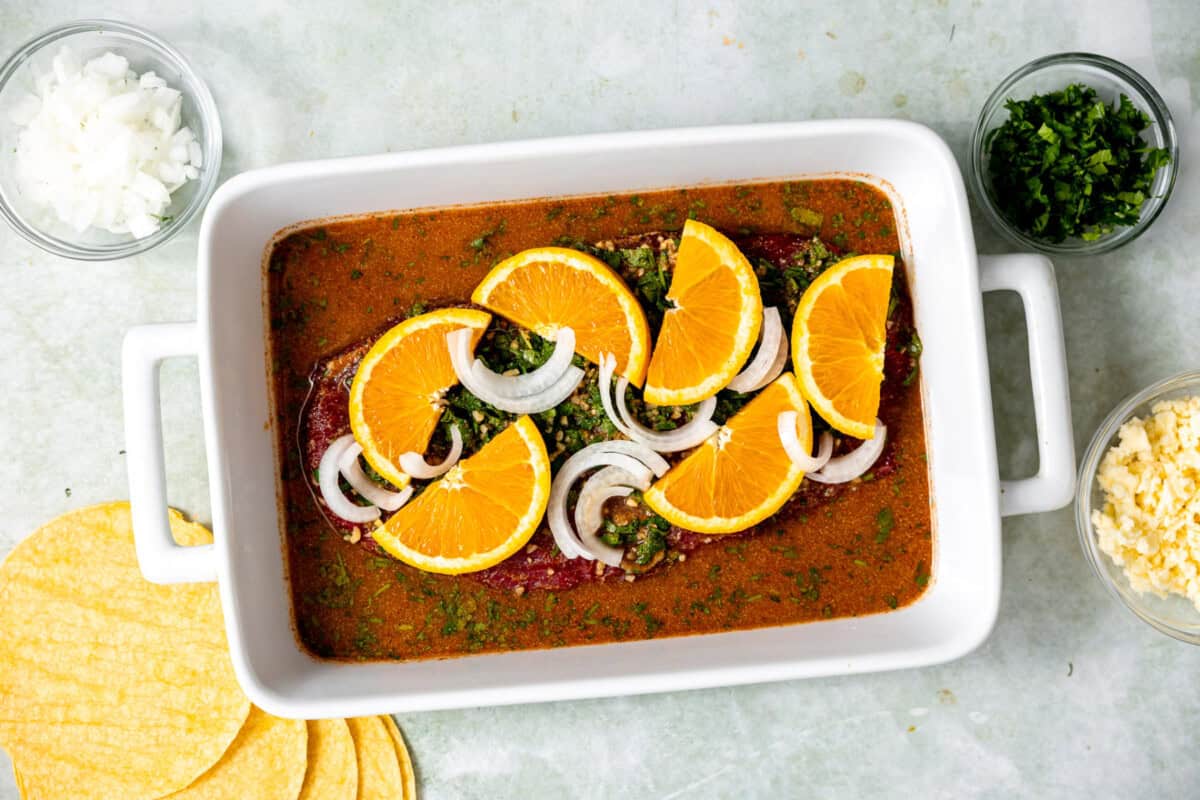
(110, 686)
(407, 774)
(332, 763)
(266, 761)
(379, 775)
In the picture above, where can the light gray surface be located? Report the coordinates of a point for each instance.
(1070, 697)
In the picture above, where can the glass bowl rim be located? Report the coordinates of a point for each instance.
(211, 143)
(1150, 99)
(1088, 468)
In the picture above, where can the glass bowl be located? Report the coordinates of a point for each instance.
(1110, 79)
(1173, 615)
(145, 51)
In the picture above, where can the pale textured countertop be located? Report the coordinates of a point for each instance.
(1070, 697)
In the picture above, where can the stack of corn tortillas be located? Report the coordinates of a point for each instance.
(114, 687)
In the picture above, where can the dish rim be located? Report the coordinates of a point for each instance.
(297, 695)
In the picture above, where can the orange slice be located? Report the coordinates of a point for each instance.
(480, 512)
(548, 288)
(741, 475)
(838, 339)
(395, 399)
(709, 333)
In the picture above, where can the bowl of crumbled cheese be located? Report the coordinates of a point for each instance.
(111, 141)
(1137, 507)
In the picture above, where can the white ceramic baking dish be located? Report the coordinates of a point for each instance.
(909, 162)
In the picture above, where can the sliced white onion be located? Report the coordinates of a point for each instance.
(637, 460)
(587, 510)
(327, 479)
(691, 434)
(615, 476)
(485, 389)
(414, 463)
(791, 443)
(602, 486)
(768, 362)
(514, 387)
(855, 463)
(656, 463)
(353, 472)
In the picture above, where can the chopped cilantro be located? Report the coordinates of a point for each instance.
(885, 522)
(481, 241)
(806, 216)
(654, 542)
(1066, 164)
(915, 348)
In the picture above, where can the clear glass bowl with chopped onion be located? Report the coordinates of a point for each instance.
(1174, 614)
(144, 52)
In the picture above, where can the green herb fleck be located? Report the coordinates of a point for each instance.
(806, 217)
(481, 241)
(915, 348)
(885, 522)
(653, 623)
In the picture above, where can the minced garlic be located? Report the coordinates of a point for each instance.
(1150, 523)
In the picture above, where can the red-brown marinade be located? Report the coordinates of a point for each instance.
(334, 285)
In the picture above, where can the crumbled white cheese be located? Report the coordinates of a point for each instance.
(1150, 523)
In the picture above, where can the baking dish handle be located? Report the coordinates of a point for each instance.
(1032, 277)
(160, 559)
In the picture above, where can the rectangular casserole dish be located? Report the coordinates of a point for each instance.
(907, 161)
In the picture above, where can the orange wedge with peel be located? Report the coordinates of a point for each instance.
(548, 288)
(708, 333)
(838, 340)
(741, 474)
(480, 512)
(396, 396)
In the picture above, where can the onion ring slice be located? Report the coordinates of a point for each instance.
(686, 436)
(414, 463)
(768, 362)
(327, 480)
(354, 474)
(459, 343)
(854, 464)
(514, 387)
(791, 444)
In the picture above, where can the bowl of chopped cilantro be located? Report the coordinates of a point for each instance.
(1073, 154)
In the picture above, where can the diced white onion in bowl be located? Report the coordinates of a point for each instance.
(101, 147)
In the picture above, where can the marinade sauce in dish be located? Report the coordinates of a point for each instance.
(333, 286)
